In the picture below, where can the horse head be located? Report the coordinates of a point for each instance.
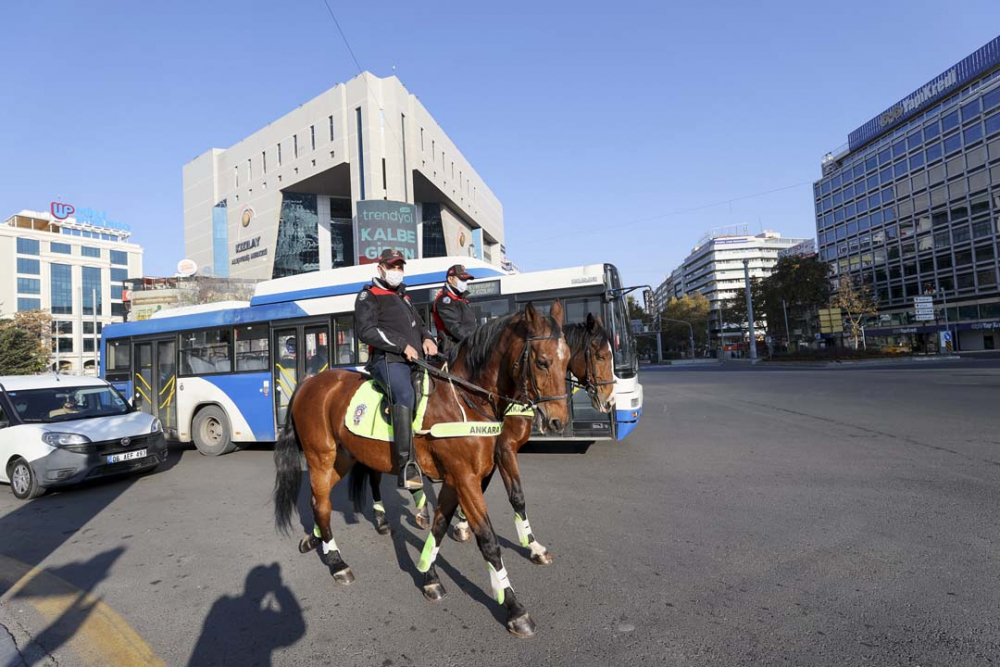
(592, 361)
(541, 368)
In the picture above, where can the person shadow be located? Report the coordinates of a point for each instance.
(247, 629)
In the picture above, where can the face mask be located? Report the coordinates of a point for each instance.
(461, 285)
(394, 277)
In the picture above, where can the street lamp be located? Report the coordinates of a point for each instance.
(753, 335)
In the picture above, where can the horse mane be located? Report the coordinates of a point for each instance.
(480, 346)
(577, 336)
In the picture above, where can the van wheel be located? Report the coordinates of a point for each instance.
(23, 481)
(212, 434)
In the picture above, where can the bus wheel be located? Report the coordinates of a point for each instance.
(212, 435)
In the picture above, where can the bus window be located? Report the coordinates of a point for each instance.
(206, 352)
(621, 337)
(578, 309)
(343, 341)
(490, 310)
(251, 347)
(119, 361)
(317, 350)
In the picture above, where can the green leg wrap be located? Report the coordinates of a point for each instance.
(428, 555)
(317, 532)
(420, 498)
(379, 507)
(461, 514)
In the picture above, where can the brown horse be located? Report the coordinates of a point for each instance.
(523, 355)
(591, 363)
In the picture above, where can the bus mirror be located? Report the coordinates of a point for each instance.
(647, 297)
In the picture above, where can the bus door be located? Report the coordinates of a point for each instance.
(154, 381)
(300, 352)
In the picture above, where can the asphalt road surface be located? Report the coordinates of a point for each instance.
(756, 516)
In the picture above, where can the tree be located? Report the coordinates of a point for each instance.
(735, 309)
(797, 286)
(692, 308)
(856, 302)
(24, 343)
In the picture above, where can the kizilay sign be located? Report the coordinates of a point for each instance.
(385, 224)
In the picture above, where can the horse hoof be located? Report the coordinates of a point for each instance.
(434, 592)
(544, 558)
(422, 521)
(382, 526)
(461, 534)
(308, 543)
(522, 626)
(344, 577)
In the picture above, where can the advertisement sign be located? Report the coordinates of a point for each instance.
(831, 320)
(385, 224)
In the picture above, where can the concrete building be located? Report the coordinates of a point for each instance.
(60, 262)
(909, 206)
(360, 167)
(715, 268)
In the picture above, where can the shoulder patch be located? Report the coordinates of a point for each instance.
(363, 295)
(447, 299)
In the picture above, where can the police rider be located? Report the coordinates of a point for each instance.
(453, 315)
(396, 334)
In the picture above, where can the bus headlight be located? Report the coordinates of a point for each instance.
(54, 439)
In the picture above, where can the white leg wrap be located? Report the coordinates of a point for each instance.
(537, 549)
(499, 582)
(523, 529)
(329, 546)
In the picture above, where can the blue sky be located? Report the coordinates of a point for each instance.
(600, 126)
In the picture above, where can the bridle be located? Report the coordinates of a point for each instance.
(528, 373)
(590, 384)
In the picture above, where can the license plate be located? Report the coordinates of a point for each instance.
(127, 456)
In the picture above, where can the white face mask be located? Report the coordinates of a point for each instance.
(394, 277)
(461, 285)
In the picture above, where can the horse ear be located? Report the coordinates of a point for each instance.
(557, 313)
(591, 323)
(597, 322)
(531, 316)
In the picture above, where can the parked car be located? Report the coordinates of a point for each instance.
(57, 430)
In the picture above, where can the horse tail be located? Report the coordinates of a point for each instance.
(288, 477)
(357, 481)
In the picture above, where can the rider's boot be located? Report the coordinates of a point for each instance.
(402, 430)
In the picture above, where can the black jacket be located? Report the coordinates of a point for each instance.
(387, 322)
(453, 317)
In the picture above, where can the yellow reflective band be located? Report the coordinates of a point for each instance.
(519, 411)
(466, 429)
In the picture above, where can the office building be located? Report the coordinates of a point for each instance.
(910, 204)
(359, 168)
(72, 266)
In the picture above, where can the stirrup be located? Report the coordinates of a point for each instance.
(410, 477)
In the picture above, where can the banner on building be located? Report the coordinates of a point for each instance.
(382, 224)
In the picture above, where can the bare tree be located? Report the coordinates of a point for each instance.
(856, 302)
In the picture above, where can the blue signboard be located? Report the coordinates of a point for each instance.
(945, 83)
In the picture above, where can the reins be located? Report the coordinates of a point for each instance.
(590, 383)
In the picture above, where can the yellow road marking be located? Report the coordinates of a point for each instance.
(101, 636)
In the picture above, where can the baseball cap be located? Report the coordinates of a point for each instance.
(391, 256)
(459, 271)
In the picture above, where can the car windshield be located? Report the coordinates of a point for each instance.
(47, 406)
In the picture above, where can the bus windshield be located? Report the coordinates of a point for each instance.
(624, 347)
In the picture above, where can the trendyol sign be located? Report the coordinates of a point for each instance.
(87, 216)
(385, 224)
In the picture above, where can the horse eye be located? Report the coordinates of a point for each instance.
(541, 363)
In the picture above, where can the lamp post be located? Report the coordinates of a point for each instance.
(753, 335)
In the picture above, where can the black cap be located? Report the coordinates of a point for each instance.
(459, 272)
(391, 256)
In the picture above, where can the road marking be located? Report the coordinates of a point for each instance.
(99, 636)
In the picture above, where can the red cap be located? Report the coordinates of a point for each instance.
(459, 272)
(391, 257)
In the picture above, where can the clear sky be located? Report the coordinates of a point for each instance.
(600, 126)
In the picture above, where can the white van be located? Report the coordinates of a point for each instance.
(57, 430)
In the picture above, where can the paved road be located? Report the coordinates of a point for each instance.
(757, 516)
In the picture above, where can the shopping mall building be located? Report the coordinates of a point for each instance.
(361, 167)
(910, 206)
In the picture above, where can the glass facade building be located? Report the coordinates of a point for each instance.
(911, 207)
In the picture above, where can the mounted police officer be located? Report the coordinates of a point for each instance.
(396, 334)
(453, 315)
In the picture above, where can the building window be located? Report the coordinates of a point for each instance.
(88, 327)
(433, 150)
(119, 275)
(117, 309)
(28, 304)
(421, 140)
(279, 153)
(237, 168)
(331, 129)
(62, 289)
(119, 257)
(28, 246)
(62, 328)
(87, 251)
(29, 266)
(249, 170)
(206, 352)
(220, 239)
(361, 153)
(312, 136)
(92, 291)
(295, 146)
(61, 248)
(263, 161)
(297, 245)
(29, 286)
(385, 185)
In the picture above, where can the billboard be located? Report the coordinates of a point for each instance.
(381, 224)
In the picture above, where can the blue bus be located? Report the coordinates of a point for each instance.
(222, 374)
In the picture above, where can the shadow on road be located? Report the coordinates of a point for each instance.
(247, 629)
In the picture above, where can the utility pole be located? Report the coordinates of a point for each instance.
(97, 349)
(788, 333)
(753, 335)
